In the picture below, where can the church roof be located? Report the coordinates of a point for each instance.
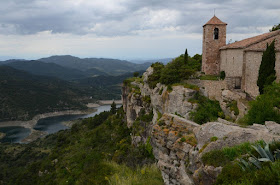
(257, 41)
(215, 21)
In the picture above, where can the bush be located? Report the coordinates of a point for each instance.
(223, 75)
(175, 71)
(208, 110)
(225, 155)
(135, 74)
(153, 79)
(233, 174)
(215, 158)
(265, 107)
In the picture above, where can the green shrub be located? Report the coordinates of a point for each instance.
(154, 78)
(135, 74)
(215, 158)
(233, 174)
(233, 107)
(182, 139)
(147, 99)
(161, 123)
(147, 174)
(208, 110)
(225, 155)
(214, 138)
(175, 71)
(169, 88)
(265, 107)
(160, 92)
(223, 75)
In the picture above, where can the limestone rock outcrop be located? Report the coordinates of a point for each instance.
(178, 143)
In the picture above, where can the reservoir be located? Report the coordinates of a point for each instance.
(49, 125)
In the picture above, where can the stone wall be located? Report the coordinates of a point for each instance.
(253, 61)
(210, 48)
(232, 62)
(213, 89)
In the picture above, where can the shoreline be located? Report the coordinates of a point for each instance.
(35, 134)
(31, 123)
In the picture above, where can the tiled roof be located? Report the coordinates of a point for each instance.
(252, 41)
(261, 46)
(215, 20)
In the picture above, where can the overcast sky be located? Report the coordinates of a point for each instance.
(124, 29)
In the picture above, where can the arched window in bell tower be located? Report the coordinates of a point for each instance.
(216, 33)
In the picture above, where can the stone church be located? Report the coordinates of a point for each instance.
(240, 60)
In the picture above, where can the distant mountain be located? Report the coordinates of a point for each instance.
(163, 60)
(110, 66)
(105, 81)
(24, 95)
(48, 69)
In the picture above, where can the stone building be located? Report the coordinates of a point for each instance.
(240, 60)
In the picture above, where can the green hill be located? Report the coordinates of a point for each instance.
(53, 70)
(110, 66)
(24, 95)
(95, 151)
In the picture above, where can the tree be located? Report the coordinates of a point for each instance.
(113, 108)
(275, 27)
(136, 74)
(186, 56)
(267, 69)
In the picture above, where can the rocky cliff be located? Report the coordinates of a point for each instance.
(162, 115)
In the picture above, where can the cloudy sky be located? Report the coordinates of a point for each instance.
(124, 29)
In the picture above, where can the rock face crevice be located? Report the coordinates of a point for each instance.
(178, 143)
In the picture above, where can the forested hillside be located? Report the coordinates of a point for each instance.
(110, 66)
(97, 151)
(24, 95)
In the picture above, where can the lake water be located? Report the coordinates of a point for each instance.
(14, 134)
(49, 125)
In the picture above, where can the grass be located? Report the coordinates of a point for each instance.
(186, 85)
(232, 105)
(222, 157)
(190, 139)
(147, 174)
(214, 138)
(209, 77)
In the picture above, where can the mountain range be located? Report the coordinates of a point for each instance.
(24, 95)
(59, 83)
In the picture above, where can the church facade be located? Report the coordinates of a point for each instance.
(240, 60)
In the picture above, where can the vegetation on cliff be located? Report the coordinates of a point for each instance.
(174, 72)
(207, 110)
(265, 107)
(233, 171)
(97, 150)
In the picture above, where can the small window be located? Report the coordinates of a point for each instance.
(216, 33)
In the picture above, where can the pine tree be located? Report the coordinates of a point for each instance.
(267, 69)
(186, 57)
(113, 108)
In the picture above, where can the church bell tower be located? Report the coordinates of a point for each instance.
(214, 37)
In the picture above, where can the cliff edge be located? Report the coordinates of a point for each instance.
(162, 116)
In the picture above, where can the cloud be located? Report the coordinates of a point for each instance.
(124, 17)
(38, 24)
